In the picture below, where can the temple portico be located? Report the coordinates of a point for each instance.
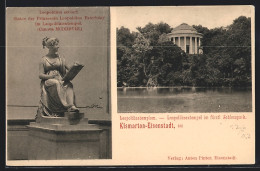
(187, 38)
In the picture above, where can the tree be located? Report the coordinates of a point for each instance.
(148, 58)
(141, 46)
(124, 37)
(125, 70)
(167, 60)
(239, 40)
(125, 41)
(152, 32)
(225, 48)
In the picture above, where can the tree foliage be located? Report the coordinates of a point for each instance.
(148, 58)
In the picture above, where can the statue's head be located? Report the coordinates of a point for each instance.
(51, 43)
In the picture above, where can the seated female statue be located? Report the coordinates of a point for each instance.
(57, 96)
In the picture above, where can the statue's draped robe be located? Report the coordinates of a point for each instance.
(53, 100)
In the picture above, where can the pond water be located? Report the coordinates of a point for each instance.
(184, 100)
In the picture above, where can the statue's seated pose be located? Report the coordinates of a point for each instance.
(57, 96)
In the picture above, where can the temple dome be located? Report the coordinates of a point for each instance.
(184, 29)
(187, 38)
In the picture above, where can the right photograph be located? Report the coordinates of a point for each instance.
(184, 59)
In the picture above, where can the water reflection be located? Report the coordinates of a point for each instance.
(184, 99)
(153, 91)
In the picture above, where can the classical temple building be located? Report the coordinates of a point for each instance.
(187, 38)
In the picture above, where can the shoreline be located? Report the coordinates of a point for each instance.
(248, 87)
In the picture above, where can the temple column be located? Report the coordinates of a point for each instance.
(191, 51)
(185, 44)
(199, 42)
(174, 40)
(196, 46)
(179, 43)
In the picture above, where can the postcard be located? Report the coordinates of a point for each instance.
(161, 85)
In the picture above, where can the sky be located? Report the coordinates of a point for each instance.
(207, 16)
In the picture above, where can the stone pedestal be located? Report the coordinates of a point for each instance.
(69, 137)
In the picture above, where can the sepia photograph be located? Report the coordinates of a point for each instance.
(194, 59)
(58, 83)
(130, 86)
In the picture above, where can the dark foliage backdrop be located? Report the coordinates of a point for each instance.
(147, 58)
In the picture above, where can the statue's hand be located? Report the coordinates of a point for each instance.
(54, 74)
(76, 63)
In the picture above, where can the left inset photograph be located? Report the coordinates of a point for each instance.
(58, 102)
